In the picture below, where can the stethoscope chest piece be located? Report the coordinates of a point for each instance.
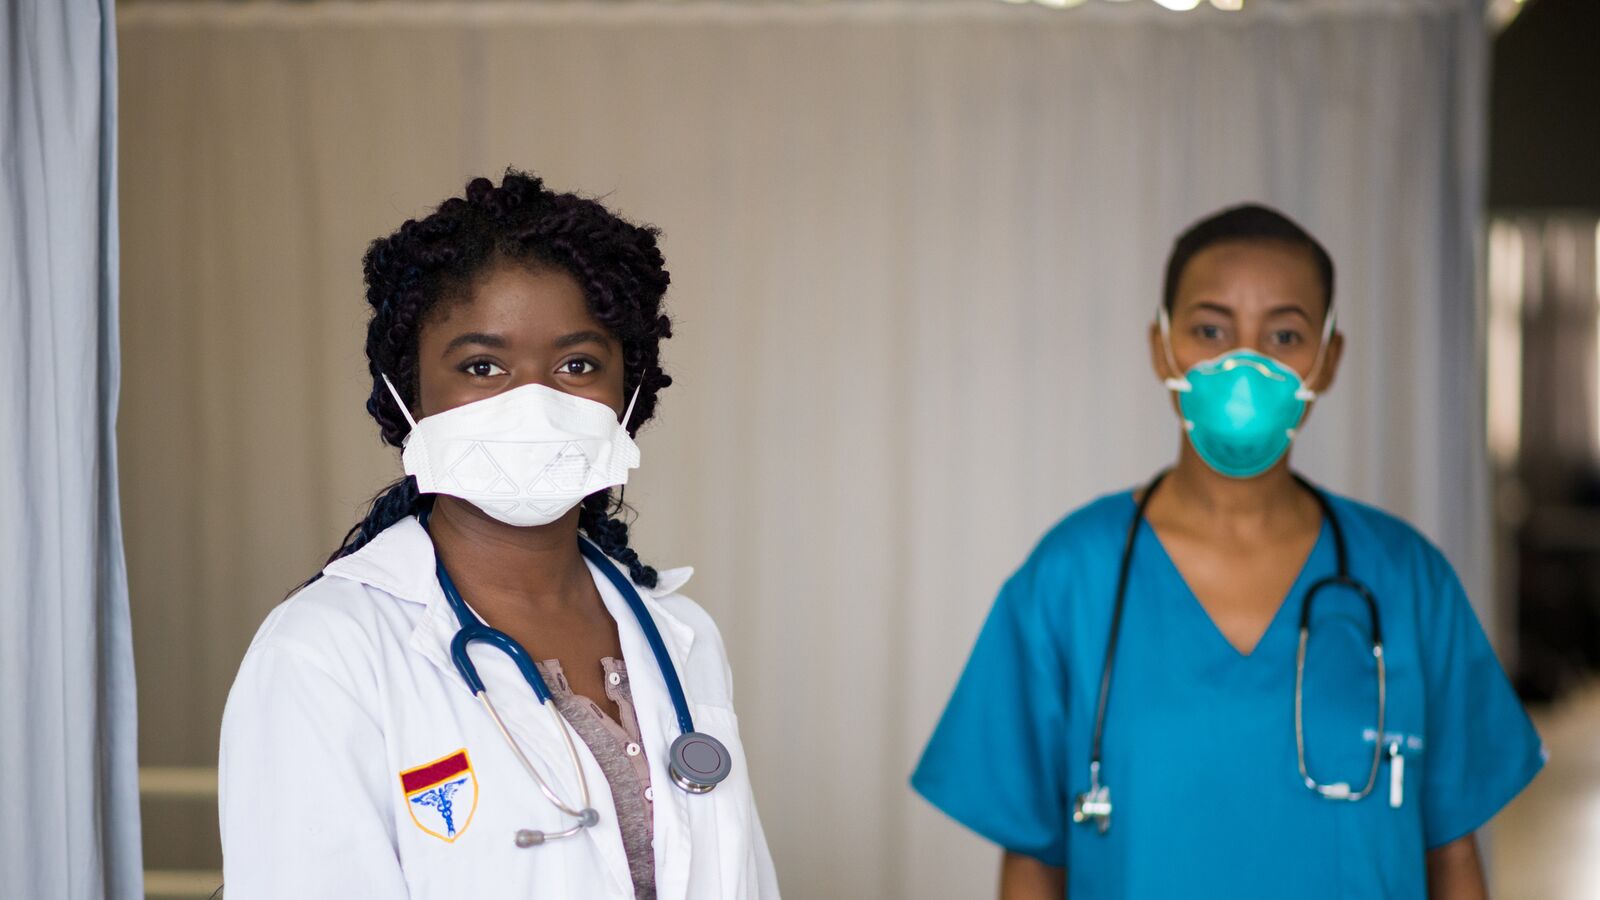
(698, 762)
(1093, 805)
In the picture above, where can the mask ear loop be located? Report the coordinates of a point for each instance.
(626, 416)
(1178, 382)
(397, 399)
(622, 493)
(1306, 393)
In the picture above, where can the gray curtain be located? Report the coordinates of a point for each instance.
(67, 726)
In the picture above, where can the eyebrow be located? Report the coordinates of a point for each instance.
(1219, 309)
(581, 337)
(1281, 310)
(1208, 306)
(475, 337)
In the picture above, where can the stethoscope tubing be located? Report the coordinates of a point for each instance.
(696, 762)
(1109, 664)
(652, 634)
(527, 765)
(1342, 578)
(473, 630)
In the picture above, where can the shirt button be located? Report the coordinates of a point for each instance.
(650, 794)
(633, 749)
(615, 678)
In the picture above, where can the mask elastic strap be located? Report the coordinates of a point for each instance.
(1306, 393)
(629, 414)
(403, 411)
(1177, 382)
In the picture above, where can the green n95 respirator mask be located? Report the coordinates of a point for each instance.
(1241, 409)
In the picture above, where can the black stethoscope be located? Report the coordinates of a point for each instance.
(697, 762)
(1094, 805)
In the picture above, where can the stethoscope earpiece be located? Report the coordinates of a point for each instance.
(699, 762)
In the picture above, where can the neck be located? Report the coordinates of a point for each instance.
(495, 563)
(1207, 494)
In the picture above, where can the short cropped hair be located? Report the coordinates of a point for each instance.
(1248, 223)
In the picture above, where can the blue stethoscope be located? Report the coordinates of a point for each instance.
(697, 762)
(1093, 807)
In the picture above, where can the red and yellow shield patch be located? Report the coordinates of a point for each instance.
(442, 795)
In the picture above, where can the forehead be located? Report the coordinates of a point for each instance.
(1240, 271)
(517, 301)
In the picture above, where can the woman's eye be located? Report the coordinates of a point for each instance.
(482, 368)
(1208, 332)
(578, 367)
(1286, 338)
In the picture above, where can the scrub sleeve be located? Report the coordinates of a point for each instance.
(1482, 749)
(997, 761)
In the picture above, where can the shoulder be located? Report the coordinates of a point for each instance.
(331, 629)
(1374, 533)
(359, 603)
(1087, 536)
(1073, 559)
(324, 616)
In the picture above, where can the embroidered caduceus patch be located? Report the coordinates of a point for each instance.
(442, 795)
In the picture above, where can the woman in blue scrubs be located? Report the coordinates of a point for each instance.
(1209, 783)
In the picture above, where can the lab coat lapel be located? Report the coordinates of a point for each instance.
(658, 726)
(540, 735)
(400, 562)
(535, 731)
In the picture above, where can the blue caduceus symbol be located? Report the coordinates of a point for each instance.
(441, 798)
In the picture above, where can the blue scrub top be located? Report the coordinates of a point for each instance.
(1199, 749)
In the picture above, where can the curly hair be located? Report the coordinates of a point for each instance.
(437, 258)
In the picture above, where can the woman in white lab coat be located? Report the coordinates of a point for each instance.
(514, 350)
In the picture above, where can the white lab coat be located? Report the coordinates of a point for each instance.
(349, 684)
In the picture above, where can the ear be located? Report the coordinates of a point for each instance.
(1330, 363)
(1158, 355)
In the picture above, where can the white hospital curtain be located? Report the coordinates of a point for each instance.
(70, 827)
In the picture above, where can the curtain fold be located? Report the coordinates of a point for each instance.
(67, 718)
(915, 249)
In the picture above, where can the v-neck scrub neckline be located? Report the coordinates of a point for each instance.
(1319, 562)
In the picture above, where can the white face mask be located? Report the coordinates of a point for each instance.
(525, 456)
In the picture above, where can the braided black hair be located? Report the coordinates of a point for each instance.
(437, 258)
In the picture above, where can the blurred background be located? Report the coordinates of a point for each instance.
(914, 247)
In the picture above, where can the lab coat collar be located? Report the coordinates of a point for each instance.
(400, 562)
